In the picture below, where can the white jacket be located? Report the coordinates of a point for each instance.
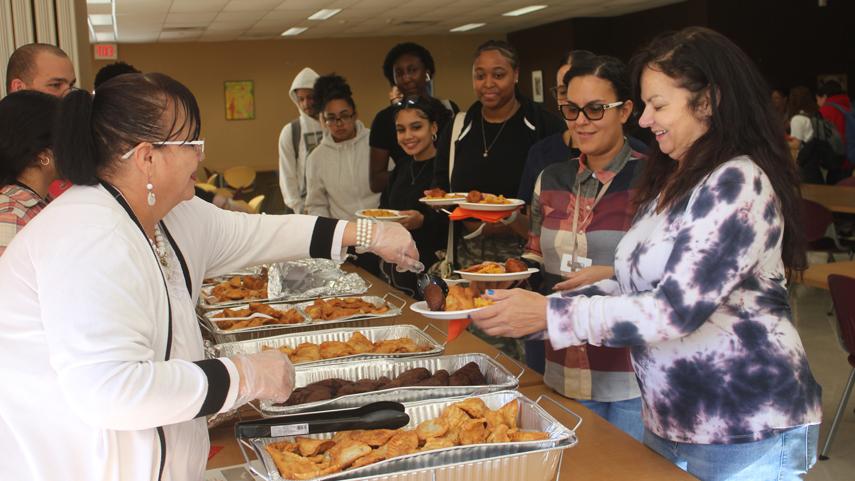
(84, 331)
(292, 164)
(337, 177)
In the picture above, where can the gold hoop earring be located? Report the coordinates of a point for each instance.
(45, 162)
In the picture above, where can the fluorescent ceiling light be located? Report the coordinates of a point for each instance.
(105, 19)
(294, 31)
(524, 10)
(467, 27)
(98, 2)
(105, 37)
(324, 14)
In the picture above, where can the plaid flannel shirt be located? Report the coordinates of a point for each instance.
(18, 206)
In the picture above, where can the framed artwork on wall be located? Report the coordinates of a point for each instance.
(240, 100)
(537, 85)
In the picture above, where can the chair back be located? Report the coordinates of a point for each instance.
(255, 203)
(207, 187)
(847, 182)
(842, 289)
(816, 220)
(239, 177)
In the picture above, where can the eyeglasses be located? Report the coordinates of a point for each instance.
(198, 146)
(591, 111)
(342, 119)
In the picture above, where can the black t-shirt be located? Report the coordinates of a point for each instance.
(404, 193)
(501, 170)
(383, 134)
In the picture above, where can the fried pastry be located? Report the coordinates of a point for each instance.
(402, 443)
(515, 265)
(348, 451)
(473, 431)
(473, 406)
(516, 435)
(311, 447)
(432, 428)
(373, 437)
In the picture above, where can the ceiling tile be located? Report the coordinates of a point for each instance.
(190, 19)
(313, 5)
(251, 5)
(197, 6)
(142, 6)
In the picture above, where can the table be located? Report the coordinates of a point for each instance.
(817, 275)
(832, 197)
(604, 451)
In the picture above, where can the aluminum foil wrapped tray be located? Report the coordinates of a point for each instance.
(209, 321)
(373, 334)
(293, 281)
(530, 460)
(498, 379)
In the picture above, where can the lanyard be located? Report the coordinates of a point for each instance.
(576, 212)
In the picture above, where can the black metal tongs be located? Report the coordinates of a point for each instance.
(378, 415)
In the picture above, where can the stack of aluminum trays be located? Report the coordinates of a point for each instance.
(498, 379)
(373, 334)
(531, 460)
(209, 321)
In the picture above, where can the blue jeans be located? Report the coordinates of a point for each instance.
(783, 457)
(625, 415)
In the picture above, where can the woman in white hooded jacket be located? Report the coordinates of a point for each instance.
(337, 172)
(99, 346)
(297, 140)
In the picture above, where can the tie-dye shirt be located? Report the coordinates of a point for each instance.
(700, 294)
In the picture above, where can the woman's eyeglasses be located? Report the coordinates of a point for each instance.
(590, 111)
(198, 146)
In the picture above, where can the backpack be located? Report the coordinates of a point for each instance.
(295, 135)
(849, 130)
(824, 149)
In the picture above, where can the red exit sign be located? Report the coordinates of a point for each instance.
(106, 51)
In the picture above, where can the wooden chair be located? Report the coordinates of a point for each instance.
(207, 187)
(841, 288)
(239, 178)
(255, 203)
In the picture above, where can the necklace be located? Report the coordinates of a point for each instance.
(413, 175)
(484, 134)
(159, 246)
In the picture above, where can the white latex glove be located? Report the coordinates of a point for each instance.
(264, 375)
(393, 243)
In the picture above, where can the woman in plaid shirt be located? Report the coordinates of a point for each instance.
(582, 207)
(26, 161)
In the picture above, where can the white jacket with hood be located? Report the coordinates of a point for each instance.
(292, 164)
(337, 177)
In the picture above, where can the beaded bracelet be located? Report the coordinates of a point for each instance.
(364, 230)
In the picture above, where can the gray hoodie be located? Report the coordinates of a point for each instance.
(292, 163)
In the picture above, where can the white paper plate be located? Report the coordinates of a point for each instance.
(397, 216)
(514, 204)
(443, 201)
(505, 276)
(422, 308)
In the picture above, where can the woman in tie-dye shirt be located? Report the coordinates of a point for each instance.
(699, 292)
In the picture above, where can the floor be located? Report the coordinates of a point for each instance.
(829, 365)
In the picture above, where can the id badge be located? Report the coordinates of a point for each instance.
(567, 264)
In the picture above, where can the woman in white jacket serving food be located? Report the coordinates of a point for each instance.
(99, 345)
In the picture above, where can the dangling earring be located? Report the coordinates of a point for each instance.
(427, 76)
(44, 160)
(150, 198)
(433, 137)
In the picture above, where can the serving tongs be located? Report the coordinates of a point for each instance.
(378, 415)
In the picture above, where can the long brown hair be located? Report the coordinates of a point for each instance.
(742, 122)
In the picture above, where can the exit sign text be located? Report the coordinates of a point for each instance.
(106, 51)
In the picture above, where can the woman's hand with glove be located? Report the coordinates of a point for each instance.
(393, 243)
(264, 375)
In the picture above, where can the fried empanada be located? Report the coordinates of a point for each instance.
(432, 428)
(293, 466)
(453, 417)
(374, 456)
(499, 434)
(311, 447)
(402, 443)
(510, 412)
(438, 443)
(473, 431)
(373, 437)
(331, 349)
(346, 452)
(359, 343)
(473, 406)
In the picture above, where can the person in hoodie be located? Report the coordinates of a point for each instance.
(831, 100)
(297, 140)
(337, 172)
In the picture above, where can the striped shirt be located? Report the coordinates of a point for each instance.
(18, 206)
(591, 372)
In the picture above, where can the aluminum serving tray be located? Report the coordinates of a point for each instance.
(531, 460)
(347, 290)
(373, 334)
(209, 322)
(498, 379)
